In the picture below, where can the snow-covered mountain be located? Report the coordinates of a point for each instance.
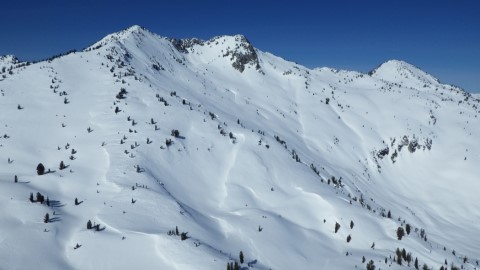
(238, 150)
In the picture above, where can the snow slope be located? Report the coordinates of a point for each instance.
(270, 156)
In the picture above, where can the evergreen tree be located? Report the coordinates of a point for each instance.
(349, 238)
(48, 201)
(416, 263)
(175, 133)
(407, 229)
(370, 265)
(76, 201)
(89, 225)
(47, 218)
(40, 198)
(40, 169)
(389, 215)
(400, 233)
(176, 230)
(31, 197)
(16, 179)
(337, 227)
(351, 224)
(62, 165)
(399, 256)
(236, 266)
(241, 257)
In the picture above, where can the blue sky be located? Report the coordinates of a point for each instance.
(441, 37)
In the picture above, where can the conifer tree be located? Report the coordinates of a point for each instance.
(40, 169)
(370, 265)
(337, 227)
(400, 233)
(241, 257)
(47, 218)
(89, 225)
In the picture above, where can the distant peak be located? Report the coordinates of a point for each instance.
(8, 57)
(240, 51)
(396, 70)
(135, 28)
(120, 35)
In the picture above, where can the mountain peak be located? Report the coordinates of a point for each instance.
(399, 71)
(120, 35)
(240, 50)
(8, 59)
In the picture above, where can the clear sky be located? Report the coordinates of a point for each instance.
(439, 36)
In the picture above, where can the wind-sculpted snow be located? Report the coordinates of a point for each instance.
(186, 152)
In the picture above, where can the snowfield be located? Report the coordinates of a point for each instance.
(268, 157)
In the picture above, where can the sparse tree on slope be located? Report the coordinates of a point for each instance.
(40, 169)
(337, 227)
(400, 233)
(241, 257)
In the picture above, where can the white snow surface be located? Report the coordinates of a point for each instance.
(263, 144)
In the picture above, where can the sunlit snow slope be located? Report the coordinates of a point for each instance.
(268, 157)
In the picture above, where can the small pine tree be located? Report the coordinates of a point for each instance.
(76, 201)
(62, 165)
(47, 218)
(416, 263)
(236, 266)
(425, 266)
(89, 225)
(337, 227)
(48, 201)
(363, 259)
(40, 198)
(349, 238)
(15, 179)
(407, 229)
(176, 230)
(241, 257)
(31, 197)
(351, 224)
(389, 215)
(400, 233)
(40, 169)
(175, 133)
(370, 265)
